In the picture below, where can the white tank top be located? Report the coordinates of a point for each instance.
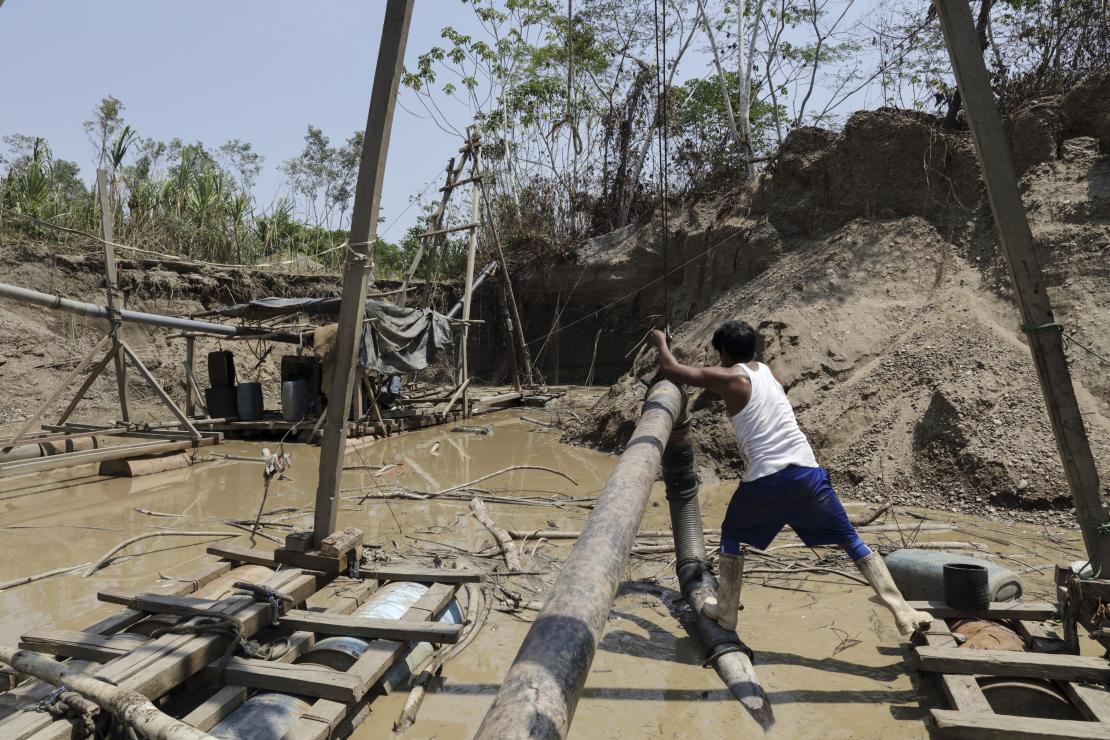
(766, 429)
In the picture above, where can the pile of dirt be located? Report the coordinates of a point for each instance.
(868, 261)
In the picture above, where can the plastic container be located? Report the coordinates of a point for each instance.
(919, 575)
(966, 586)
(248, 401)
(221, 368)
(294, 399)
(221, 402)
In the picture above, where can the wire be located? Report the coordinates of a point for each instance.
(663, 180)
(636, 291)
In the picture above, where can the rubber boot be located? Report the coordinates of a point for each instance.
(908, 620)
(724, 607)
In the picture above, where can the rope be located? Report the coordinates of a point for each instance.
(663, 181)
(1067, 339)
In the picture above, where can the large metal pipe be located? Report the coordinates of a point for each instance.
(137, 317)
(540, 692)
(724, 650)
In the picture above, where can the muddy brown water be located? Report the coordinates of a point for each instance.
(828, 654)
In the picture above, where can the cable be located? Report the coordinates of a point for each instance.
(663, 180)
(633, 293)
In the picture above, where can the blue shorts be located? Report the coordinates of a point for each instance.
(801, 497)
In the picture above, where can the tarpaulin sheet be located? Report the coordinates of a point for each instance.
(395, 341)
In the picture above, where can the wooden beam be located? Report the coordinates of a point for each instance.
(80, 645)
(449, 230)
(154, 603)
(963, 692)
(213, 710)
(107, 231)
(423, 575)
(359, 257)
(305, 679)
(1010, 727)
(1010, 663)
(237, 554)
(996, 610)
(1093, 702)
(371, 628)
(1045, 335)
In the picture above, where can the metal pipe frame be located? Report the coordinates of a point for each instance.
(538, 697)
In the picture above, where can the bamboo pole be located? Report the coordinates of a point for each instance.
(131, 707)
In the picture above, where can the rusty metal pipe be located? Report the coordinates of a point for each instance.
(540, 692)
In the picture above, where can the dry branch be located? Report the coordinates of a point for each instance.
(508, 547)
(509, 469)
(98, 564)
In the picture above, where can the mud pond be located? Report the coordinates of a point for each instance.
(828, 654)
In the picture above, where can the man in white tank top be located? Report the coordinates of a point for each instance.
(782, 482)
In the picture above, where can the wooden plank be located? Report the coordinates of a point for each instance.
(237, 554)
(963, 692)
(974, 726)
(1040, 637)
(307, 679)
(359, 259)
(324, 716)
(1010, 663)
(423, 575)
(1046, 341)
(372, 628)
(340, 543)
(448, 230)
(80, 645)
(216, 708)
(312, 560)
(155, 603)
(997, 610)
(1092, 701)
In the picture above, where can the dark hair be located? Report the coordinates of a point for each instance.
(738, 339)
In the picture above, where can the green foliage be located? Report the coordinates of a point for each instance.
(188, 199)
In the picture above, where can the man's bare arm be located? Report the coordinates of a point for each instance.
(712, 378)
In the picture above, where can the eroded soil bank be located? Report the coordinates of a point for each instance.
(828, 655)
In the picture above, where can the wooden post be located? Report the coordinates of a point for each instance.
(107, 231)
(1045, 338)
(475, 145)
(357, 265)
(190, 358)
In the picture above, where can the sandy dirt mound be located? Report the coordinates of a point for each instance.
(897, 336)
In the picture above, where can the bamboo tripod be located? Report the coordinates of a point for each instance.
(115, 350)
(433, 241)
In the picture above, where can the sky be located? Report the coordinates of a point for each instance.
(208, 70)
(216, 70)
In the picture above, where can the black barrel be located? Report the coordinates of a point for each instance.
(221, 402)
(221, 368)
(966, 586)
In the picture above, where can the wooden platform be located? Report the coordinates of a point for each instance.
(969, 714)
(196, 659)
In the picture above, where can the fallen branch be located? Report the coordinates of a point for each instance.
(508, 547)
(539, 423)
(98, 564)
(131, 707)
(794, 571)
(148, 512)
(866, 519)
(39, 576)
(509, 469)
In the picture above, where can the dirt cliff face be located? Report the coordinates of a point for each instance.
(868, 261)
